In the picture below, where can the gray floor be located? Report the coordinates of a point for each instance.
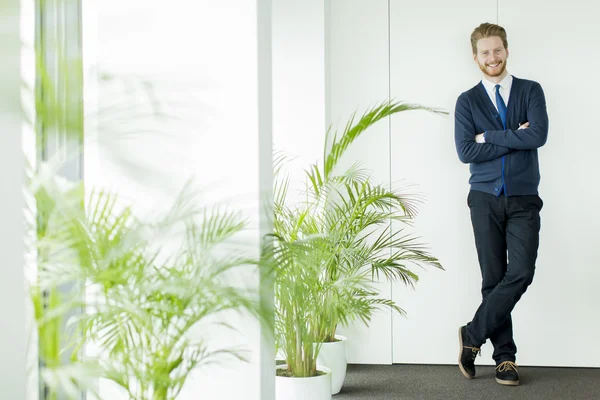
(387, 382)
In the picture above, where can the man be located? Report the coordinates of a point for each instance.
(499, 125)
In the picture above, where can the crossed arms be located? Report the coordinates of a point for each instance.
(500, 142)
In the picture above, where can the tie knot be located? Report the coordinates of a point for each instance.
(498, 88)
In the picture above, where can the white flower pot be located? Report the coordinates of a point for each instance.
(313, 388)
(333, 356)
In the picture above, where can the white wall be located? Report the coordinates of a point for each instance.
(431, 63)
(358, 77)
(563, 302)
(432, 68)
(299, 83)
(204, 60)
(16, 32)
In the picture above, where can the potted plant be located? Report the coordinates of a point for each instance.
(143, 297)
(297, 281)
(350, 215)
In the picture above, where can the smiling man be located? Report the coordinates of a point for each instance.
(499, 125)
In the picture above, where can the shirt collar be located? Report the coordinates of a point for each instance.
(505, 84)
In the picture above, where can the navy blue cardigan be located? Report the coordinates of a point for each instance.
(508, 160)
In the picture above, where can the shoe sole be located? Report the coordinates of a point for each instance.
(507, 383)
(460, 348)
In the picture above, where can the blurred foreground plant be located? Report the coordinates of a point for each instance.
(146, 290)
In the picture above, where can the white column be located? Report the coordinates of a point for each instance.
(207, 63)
(13, 335)
(264, 366)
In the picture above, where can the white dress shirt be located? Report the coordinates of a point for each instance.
(505, 85)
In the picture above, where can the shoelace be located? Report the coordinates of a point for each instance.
(475, 351)
(507, 366)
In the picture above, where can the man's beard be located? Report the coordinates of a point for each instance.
(493, 74)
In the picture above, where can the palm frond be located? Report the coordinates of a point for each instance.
(352, 131)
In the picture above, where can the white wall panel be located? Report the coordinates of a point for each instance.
(555, 43)
(299, 84)
(358, 78)
(431, 63)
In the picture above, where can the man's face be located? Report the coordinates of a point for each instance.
(491, 56)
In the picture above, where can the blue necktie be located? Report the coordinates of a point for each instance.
(501, 106)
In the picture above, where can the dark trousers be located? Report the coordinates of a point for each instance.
(501, 225)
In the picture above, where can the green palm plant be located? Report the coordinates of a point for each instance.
(144, 296)
(297, 289)
(330, 247)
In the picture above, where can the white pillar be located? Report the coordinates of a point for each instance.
(12, 290)
(208, 63)
(266, 364)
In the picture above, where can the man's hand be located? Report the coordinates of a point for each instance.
(481, 139)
